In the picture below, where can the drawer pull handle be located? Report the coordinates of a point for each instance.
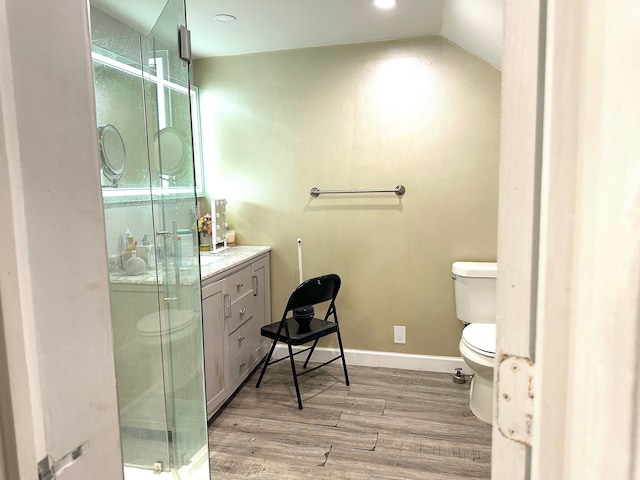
(243, 364)
(239, 285)
(243, 311)
(227, 305)
(240, 338)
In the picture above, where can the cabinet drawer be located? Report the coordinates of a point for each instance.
(242, 364)
(247, 336)
(239, 283)
(241, 311)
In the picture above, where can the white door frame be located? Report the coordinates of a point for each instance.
(581, 306)
(56, 346)
(520, 164)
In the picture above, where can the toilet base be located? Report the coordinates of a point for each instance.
(481, 398)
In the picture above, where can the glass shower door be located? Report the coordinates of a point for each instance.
(142, 91)
(174, 194)
(135, 312)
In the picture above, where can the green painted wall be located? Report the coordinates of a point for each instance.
(418, 112)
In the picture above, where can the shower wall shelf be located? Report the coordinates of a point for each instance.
(398, 190)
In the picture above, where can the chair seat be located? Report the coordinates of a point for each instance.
(317, 328)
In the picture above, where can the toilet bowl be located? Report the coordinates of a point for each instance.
(475, 295)
(478, 350)
(167, 345)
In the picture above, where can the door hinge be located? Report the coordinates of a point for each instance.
(515, 398)
(184, 43)
(48, 468)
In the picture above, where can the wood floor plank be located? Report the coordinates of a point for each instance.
(312, 415)
(419, 445)
(275, 452)
(273, 399)
(283, 440)
(400, 466)
(429, 429)
(415, 394)
(416, 380)
(292, 433)
(227, 466)
(445, 412)
(389, 424)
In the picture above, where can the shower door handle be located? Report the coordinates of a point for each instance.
(165, 233)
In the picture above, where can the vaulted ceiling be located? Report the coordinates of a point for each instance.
(266, 25)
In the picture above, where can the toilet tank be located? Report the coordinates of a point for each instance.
(475, 291)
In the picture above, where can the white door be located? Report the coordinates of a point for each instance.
(58, 397)
(569, 241)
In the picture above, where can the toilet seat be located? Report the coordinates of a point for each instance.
(481, 338)
(149, 327)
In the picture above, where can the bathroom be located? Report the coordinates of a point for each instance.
(421, 112)
(356, 117)
(388, 249)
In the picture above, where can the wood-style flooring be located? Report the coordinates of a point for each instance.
(389, 424)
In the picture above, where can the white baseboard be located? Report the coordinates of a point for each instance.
(369, 358)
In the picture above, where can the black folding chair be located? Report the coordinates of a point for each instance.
(299, 331)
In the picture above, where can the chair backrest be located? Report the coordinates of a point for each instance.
(315, 290)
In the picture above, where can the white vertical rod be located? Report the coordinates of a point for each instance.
(300, 259)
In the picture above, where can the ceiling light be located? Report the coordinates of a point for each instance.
(225, 18)
(385, 3)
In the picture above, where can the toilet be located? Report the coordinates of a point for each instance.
(475, 294)
(168, 341)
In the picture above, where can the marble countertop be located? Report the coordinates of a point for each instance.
(211, 264)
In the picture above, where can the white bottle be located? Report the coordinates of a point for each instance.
(126, 236)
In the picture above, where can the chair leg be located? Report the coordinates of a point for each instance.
(295, 376)
(266, 361)
(313, 347)
(344, 363)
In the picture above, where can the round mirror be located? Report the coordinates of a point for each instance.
(112, 152)
(173, 152)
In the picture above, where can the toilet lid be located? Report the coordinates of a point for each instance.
(149, 325)
(481, 338)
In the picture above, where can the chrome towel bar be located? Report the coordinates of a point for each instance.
(398, 190)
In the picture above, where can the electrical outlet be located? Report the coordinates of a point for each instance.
(399, 334)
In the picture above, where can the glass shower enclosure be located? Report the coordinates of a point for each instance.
(143, 105)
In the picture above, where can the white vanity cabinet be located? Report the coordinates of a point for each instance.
(236, 303)
(248, 314)
(216, 376)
